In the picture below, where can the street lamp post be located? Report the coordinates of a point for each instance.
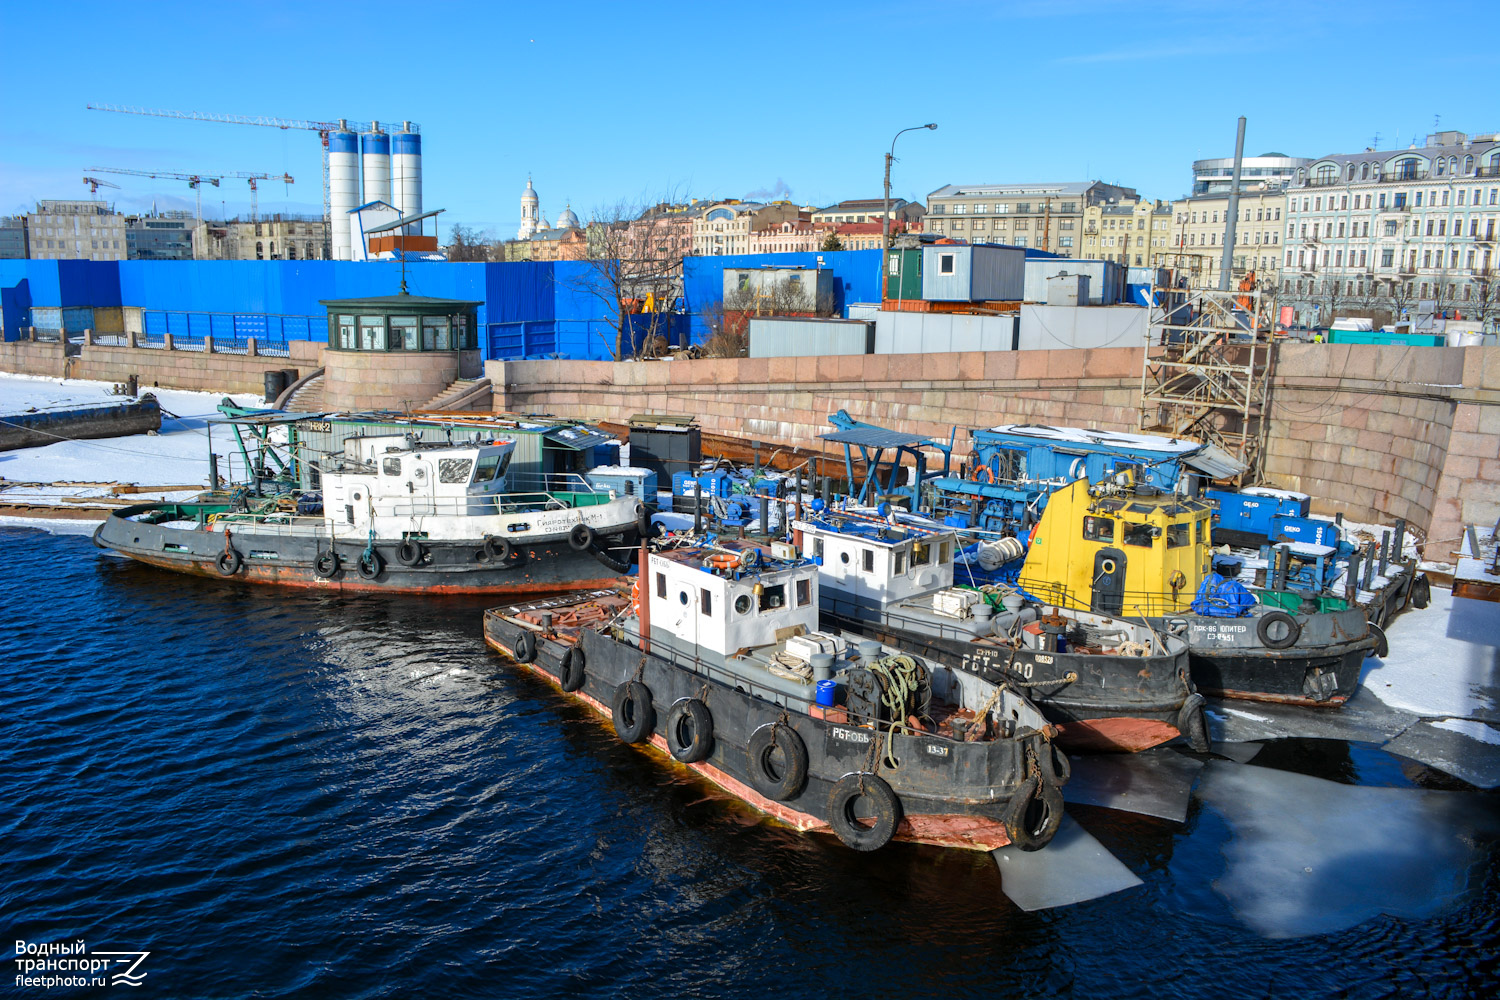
(885, 216)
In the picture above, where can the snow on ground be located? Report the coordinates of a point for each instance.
(178, 455)
(1443, 660)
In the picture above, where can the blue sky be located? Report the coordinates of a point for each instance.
(605, 102)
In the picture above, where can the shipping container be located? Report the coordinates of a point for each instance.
(973, 273)
(1106, 279)
(783, 337)
(903, 274)
(1068, 290)
(1051, 328)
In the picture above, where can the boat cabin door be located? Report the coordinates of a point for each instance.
(1108, 597)
(418, 485)
(358, 503)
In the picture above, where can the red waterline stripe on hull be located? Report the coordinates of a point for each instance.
(268, 576)
(975, 833)
(1280, 699)
(1131, 735)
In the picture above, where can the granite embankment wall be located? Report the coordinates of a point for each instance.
(1374, 433)
(164, 366)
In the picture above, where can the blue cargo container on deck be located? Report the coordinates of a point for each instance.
(1245, 516)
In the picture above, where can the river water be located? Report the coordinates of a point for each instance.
(278, 793)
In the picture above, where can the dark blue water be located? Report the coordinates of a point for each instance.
(282, 794)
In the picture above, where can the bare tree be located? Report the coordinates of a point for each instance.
(467, 244)
(1485, 298)
(633, 267)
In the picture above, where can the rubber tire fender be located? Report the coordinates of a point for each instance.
(1193, 724)
(793, 779)
(1055, 764)
(1382, 646)
(411, 553)
(229, 562)
(581, 538)
(883, 803)
(1421, 592)
(1263, 629)
(496, 549)
(570, 676)
(328, 564)
(524, 648)
(634, 716)
(1029, 832)
(692, 718)
(371, 568)
(644, 525)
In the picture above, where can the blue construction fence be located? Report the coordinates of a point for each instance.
(527, 310)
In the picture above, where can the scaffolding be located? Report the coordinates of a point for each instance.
(1206, 370)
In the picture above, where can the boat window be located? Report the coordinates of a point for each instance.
(372, 333)
(901, 561)
(772, 598)
(921, 554)
(706, 603)
(504, 463)
(742, 604)
(869, 560)
(1139, 534)
(391, 466)
(682, 598)
(844, 558)
(404, 333)
(485, 470)
(818, 548)
(454, 470)
(661, 585)
(943, 553)
(630, 487)
(1099, 529)
(1140, 508)
(804, 593)
(1203, 530)
(1179, 535)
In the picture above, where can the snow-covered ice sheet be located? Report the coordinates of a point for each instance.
(1073, 868)
(176, 456)
(1444, 660)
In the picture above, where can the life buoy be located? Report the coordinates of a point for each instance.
(370, 565)
(778, 762)
(410, 552)
(690, 731)
(570, 677)
(1033, 814)
(327, 564)
(1267, 621)
(634, 717)
(984, 474)
(523, 650)
(720, 561)
(496, 549)
(581, 538)
(1382, 646)
(229, 562)
(857, 800)
(1193, 724)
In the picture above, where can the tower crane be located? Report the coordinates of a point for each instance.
(252, 178)
(194, 181)
(95, 184)
(322, 128)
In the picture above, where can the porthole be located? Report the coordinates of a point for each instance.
(742, 604)
(682, 597)
(356, 495)
(844, 558)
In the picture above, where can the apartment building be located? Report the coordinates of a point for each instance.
(725, 226)
(1396, 233)
(1048, 216)
(277, 238)
(1199, 227)
(76, 230)
(1134, 232)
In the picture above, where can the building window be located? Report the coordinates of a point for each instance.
(1065, 241)
(260, 250)
(945, 263)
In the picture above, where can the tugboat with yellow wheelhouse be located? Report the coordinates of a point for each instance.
(1136, 551)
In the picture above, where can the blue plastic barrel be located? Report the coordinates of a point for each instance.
(826, 692)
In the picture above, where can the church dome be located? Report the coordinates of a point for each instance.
(529, 196)
(568, 220)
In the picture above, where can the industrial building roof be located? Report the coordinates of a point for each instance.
(1040, 188)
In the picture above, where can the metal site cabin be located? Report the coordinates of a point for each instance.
(402, 323)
